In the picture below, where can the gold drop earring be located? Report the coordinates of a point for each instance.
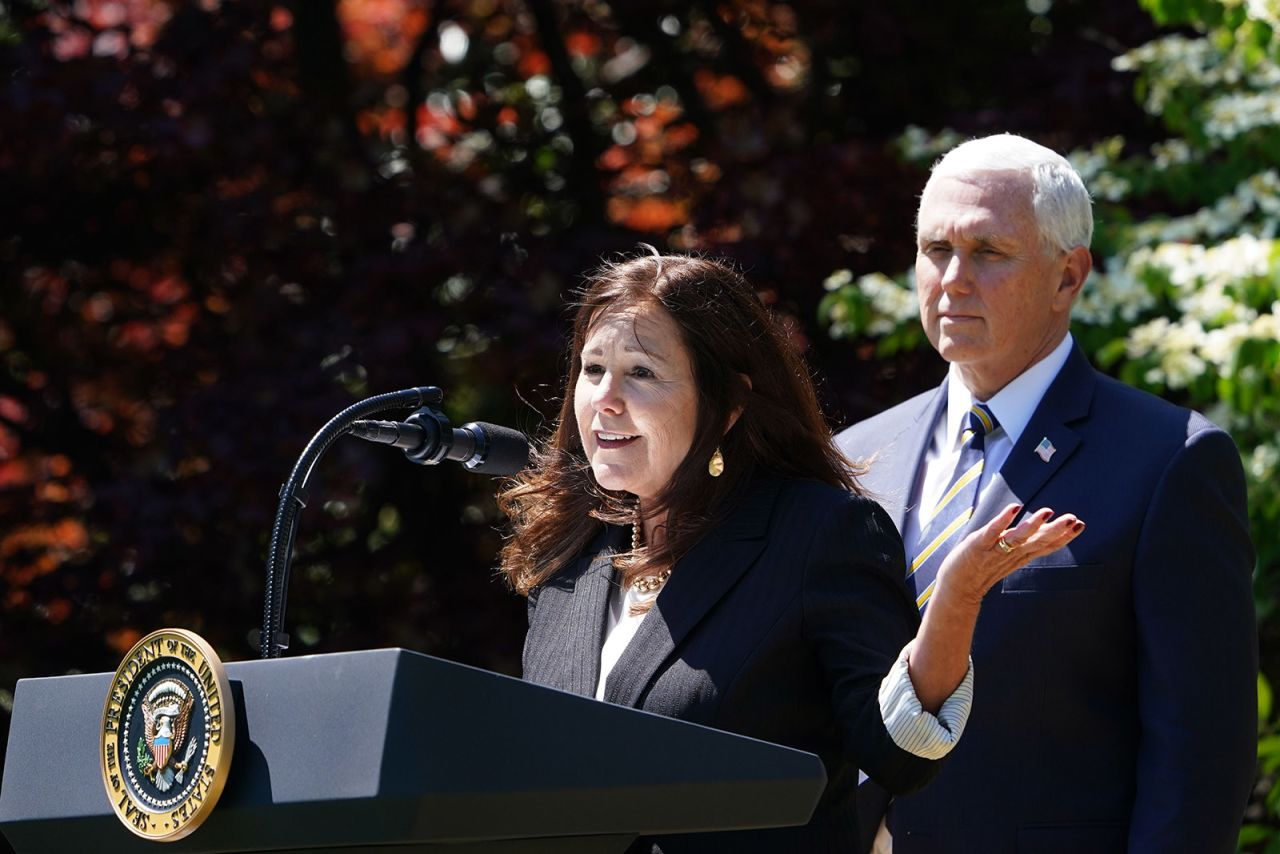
(715, 466)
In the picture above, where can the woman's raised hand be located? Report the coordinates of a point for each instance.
(940, 656)
(995, 550)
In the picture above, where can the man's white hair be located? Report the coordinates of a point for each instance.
(1064, 212)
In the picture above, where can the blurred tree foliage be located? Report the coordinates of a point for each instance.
(224, 221)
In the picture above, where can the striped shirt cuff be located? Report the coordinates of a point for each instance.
(912, 728)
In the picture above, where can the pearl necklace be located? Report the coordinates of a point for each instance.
(649, 583)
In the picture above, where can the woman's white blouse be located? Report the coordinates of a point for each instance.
(620, 628)
(912, 728)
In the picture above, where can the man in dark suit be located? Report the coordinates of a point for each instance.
(1116, 706)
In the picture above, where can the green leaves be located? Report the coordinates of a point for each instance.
(873, 306)
(1196, 13)
(143, 757)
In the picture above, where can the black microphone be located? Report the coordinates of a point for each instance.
(427, 439)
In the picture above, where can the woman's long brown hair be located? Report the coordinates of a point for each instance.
(556, 507)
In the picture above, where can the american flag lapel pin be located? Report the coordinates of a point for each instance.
(1045, 449)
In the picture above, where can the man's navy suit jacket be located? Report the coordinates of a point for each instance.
(1115, 680)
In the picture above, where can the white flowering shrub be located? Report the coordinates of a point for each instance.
(1183, 303)
(874, 305)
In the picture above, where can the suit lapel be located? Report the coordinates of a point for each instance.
(586, 619)
(571, 612)
(892, 473)
(699, 580)
(1024, 473)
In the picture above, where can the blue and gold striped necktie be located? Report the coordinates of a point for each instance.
(941, 525)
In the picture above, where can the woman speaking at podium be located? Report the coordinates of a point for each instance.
(692, 543)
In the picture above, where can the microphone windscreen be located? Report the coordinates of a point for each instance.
(508, 450)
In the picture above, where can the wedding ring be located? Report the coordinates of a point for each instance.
(1005, 546)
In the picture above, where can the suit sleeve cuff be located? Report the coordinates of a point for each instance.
(912, 728)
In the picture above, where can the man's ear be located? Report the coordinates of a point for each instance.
(737, 410)
(1075, 270)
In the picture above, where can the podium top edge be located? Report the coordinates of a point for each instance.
(381, 652)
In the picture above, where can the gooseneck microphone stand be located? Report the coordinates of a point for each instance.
(292, 499)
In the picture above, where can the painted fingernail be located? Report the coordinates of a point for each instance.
(1078, 527)
(1017, 509)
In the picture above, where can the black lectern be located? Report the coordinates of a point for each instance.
(389, 750)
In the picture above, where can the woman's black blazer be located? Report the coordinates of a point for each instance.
(779, 624)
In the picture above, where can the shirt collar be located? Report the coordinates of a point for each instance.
(1014, 404)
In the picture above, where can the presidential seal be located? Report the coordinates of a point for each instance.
(168, 730)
